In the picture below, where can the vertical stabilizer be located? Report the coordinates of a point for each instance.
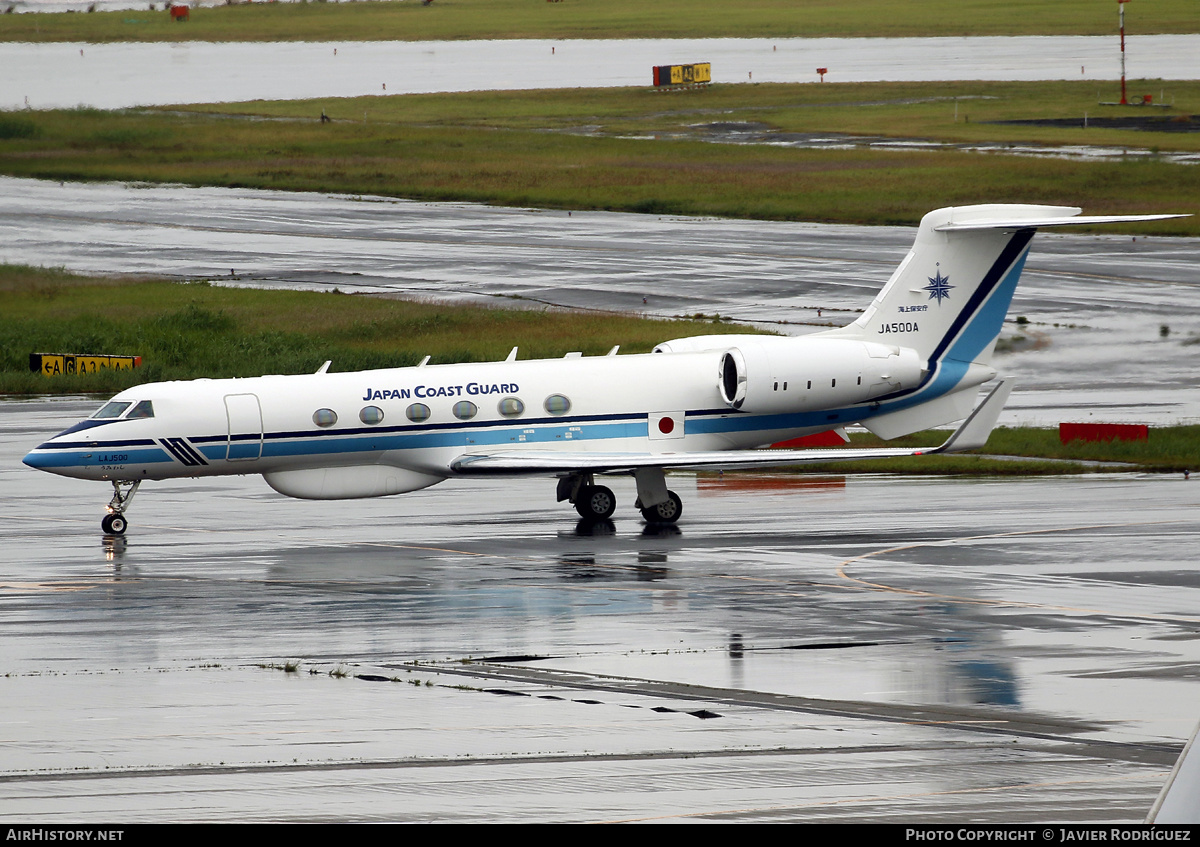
(948, 298)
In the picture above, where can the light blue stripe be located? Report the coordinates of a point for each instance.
(79, 459)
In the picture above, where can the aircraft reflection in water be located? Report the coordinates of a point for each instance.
(913, 360)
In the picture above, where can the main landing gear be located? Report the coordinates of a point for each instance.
(597, 502)
(114, 522)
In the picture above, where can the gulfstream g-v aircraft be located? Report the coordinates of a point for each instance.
(914, 359)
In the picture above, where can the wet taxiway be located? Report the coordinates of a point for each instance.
(1096, 305)
(798, 648)
(114, 76)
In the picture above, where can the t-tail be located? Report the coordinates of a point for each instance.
(948, 300)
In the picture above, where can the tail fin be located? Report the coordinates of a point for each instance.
(951, 293)
(948, 299)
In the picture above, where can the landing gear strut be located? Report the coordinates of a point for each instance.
(114, 522)
(597, 502)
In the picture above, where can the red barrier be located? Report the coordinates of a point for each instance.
(829, 438)
(179, 13)
(1068, 432)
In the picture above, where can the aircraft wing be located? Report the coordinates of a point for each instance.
(970, 435)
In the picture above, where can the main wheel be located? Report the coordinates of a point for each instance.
(667, 511)
(114, 524)
(596, 503)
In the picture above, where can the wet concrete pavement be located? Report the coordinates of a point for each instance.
(814, 649)
(113, 76)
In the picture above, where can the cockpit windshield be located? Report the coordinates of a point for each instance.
(144, 409)
(116, 409)
(112, 410)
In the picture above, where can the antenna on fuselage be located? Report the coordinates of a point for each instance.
(613, 351)
(512, 355)
(424, 362)
(325, 367)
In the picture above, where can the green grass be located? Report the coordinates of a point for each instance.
(964, 111)
(1168, 449)
(524, 149)
(483, 19)
(1038, 452)
(184, 331)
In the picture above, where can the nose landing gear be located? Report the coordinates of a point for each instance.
(114, 522)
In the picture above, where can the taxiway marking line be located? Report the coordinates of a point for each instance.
(878, 586)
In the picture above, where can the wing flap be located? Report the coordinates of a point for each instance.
(971, 434)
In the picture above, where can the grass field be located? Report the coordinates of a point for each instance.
(492, 19)
(528, 149)
(185, 331)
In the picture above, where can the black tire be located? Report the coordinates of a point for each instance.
(596, 503)
(114, 524)
(668, 511)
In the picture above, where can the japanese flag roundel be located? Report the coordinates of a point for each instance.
(666, 425)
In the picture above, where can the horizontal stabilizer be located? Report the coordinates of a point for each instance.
(1072, 218)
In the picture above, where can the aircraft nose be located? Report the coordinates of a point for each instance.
(50, 456)
(42, 458)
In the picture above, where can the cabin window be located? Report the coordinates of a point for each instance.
(371, 415)
(324, 417)
(464, 410)
(112, 410)
(144, 409)
(417, 412)
(511, 407)
(558, 404)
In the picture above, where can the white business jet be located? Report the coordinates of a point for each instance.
(913, 360)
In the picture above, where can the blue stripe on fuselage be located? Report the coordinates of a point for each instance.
(75, 458)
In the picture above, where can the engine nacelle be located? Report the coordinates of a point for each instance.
(777, 375)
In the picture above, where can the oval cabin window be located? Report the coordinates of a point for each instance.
(464, 410)
(417, 412)
(558, 404)
(511, 407)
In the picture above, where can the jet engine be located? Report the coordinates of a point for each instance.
(775, 375)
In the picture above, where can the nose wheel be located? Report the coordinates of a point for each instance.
(114, 522)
